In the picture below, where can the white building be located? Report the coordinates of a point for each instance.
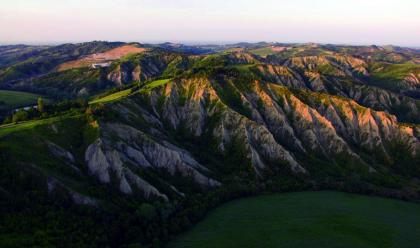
(100, 65)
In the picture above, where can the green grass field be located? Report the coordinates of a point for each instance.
(308, 219)
(112, 97)
(26, 125)
(124, 93)
(263, 51)
(15, 99)
(156, 83)
(394, 71)
(244, 68)
(389, 75)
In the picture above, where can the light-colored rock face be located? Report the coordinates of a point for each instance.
(78, 198)
(412, 81)
(124, 146)
(370, 129)
(97, 161)
(141, 69)
(337, 65)
(279, 129)
(103, 164)
(242, 119)
(158, 155)
(349, 77)
(281, 119)
(281, 74)
(84, 200)
(60, 152)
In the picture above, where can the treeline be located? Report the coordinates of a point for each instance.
(33, 216)
(43, 110)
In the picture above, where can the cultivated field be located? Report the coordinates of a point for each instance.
(107, 56)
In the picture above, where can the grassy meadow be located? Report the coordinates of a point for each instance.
(308, 219)
(15, 99)
(112, 97)
(263, 51)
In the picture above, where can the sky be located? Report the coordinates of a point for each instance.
(367, 22)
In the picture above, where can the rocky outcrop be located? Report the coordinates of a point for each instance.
(141, 68)
(63, 154)
(76, 197)
(412, 81)
(60, 152)
(273, 126)
(280, 74)
(332, 64)
(349, 77)
(124, 147)
(235, 119)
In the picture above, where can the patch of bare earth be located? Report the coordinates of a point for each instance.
(104, 57)
(278, 48)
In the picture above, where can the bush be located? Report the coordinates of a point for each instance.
(20, 115)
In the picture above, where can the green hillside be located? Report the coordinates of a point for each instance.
(390, 76)
(112, 97)
(263, 51)
(308, 219)
(15, 99)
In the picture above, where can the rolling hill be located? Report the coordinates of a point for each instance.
(168, 135)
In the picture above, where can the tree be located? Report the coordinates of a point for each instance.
(20, 115)
(146, 211)
(7, 120)
(40, 105)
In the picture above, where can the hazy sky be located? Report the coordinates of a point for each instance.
(326, 21)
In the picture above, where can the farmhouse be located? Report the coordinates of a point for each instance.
(100, 65)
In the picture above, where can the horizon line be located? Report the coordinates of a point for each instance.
(200, 42)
